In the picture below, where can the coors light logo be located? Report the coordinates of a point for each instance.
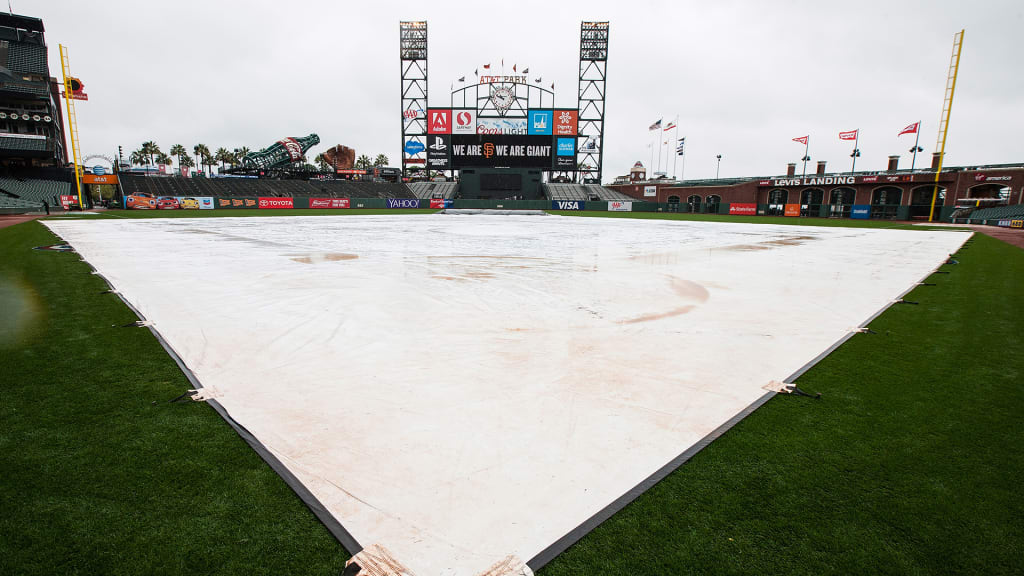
(293, 148)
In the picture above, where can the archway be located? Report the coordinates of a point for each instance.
(840, 202)
(693, 203)
(811, 200)
(991, 194)
(777, 199)
(885, 202)
(921, 201)
(673, 203)
(713, 200)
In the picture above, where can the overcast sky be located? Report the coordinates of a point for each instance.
(743, 77)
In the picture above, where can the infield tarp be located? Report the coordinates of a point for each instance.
(461, 389)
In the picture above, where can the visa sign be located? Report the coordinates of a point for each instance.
(567, 205)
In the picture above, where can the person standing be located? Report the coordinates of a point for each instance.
(46, 206)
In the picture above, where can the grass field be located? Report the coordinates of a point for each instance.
(910, 464)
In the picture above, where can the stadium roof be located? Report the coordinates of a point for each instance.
(22, 22)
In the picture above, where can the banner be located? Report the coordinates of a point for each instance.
(329, 203)
(465, 121)
(567, 205)
(566, 122)
(851, 135)
(860, 211)
(650, 191)
(743, 209)
(100, 179)
(1017, 224)
(616, 206)
(236, 203)
(439, 152)
(67, 200)
(275, 203)
(792, 210)
(501, 126)
(139, 202)
(539, 122)
(437, 203)
(403, 203)
(487, 150)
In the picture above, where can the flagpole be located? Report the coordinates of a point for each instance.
(917, 138)
(657, 133)
(856, 141)
(675, 136)
(651, 175)
(807, 146)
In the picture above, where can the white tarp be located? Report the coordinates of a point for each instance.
(459, 389)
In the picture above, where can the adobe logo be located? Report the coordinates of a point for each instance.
(439, 121)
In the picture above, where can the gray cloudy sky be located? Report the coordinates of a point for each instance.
(743, 77)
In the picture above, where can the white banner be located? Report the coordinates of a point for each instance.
(620, 206)
(650, 191)
(501, 126)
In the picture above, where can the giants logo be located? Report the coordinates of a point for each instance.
(439, 121)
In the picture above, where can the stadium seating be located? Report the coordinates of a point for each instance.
(607, 194)
(566, 192)
(35, 191)
(250, 187)
(10, 205)
(997, 213)
(427, 190)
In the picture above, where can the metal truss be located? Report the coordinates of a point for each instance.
(413, 53)
(592, 83)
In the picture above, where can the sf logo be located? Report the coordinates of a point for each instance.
(488, 150)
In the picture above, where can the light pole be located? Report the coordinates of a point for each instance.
(855, 154)
(806, 159)
(915, 150)
(719, 166)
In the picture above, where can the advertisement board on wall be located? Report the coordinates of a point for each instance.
(792, 210)
(464, 121)
(67, 200)
(743, 209)
(275, 203)
(329, 203)
(565, 154)
(139, 202)
(501, 150)
(439, 152)
(403, 203)
(568, 205)
(437, 203)
(539, 122)
(616, 206)
(99, 179)
(236, 202)
(501, 126)
(650, 191)
(566, 122)
(860, 211)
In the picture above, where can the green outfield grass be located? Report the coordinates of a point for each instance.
(909, 464)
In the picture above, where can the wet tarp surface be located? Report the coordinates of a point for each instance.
(459, 389)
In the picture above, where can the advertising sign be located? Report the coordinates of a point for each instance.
(403, 203)
(413, 147)
(1017, 224)
(860, 211)
(275, 203)
(140, 202)
(616, 206)
(567, 205)
(439, 152)
(236, 202)
(501, 126)
(650, 191)
(439, 121)
(293, 148)
(99, 179)
(205, 202)
(437, 202)
(565, 154)
(792, 210)
(329, 203)
(465, 122)
(539, 122)
(566, 122)
(67, 200)
(501, 150)
(743, 209)
(1003, 223)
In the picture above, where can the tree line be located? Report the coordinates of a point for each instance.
(150, 154)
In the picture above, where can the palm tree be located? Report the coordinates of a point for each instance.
(364, 162)
(380, 160)
(178, 150)
(202, 155)
(137, 158)
(223, 156)
(152, 150)
(322, 162)
(162, 158)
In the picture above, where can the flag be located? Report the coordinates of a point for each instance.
(539, 79)
(526, 70)
(802, 139)
(552, 85)
(912, 129)
(654, 126)
(670, 126)
(462, 79)
(851, 135)
(475, 72)
(487, 66)
(681, 147)
(514, 67)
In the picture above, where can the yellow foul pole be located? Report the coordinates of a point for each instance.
(947, 106)
(72, 122)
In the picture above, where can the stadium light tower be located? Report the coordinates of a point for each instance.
(592, 82)
(719, 166)
(413, 54)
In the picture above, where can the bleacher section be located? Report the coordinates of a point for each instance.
(555, 191)
(250, 187)
(607, 194)
(427, 190)
(34, 190)
(10, 205)
(1013, 212)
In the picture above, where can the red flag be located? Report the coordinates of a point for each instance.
(487, 66)
(912, 129)
(514, 67)
(802, 139)
(851, 135)
(670, 126)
